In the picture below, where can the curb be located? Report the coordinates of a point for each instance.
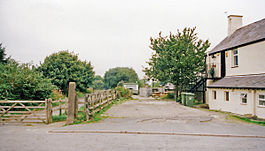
(151, 133)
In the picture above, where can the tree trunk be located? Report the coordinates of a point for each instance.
(176, 93)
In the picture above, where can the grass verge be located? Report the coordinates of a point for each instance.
(58, 118)
(260, 122)
(248, 120)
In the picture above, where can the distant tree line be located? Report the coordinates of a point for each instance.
(29, 82)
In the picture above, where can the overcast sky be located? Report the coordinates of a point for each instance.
(111, 33)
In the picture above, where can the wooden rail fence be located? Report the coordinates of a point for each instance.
(95, 102)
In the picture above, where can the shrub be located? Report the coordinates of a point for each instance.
(126, 93)
(23, 82)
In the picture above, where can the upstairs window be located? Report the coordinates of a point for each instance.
(262, 100)
(235, 58)
(243, 97)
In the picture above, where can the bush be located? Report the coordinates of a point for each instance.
(125, 93)
(168, 96)
(57, 94)
(23, 82)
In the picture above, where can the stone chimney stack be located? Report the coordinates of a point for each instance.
(234, 23)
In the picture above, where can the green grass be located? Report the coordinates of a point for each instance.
(58, 118)
(260, 122)
(248, 120)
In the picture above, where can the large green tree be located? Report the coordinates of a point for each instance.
(98, 83)
(64, 67)
(115, 75)
(22, 82)
(177, 58)
(3, 58)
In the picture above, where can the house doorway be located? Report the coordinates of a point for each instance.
(223, 64)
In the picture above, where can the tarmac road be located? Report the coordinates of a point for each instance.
(142, 124)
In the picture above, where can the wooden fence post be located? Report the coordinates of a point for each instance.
(76, 106)
(60, 106)
(66, 106)
(49, 111)
(71, 103)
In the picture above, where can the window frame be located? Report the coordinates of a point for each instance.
(235, 55)
(214, 95)
(227, 98)
(263, 100)
(244, 96)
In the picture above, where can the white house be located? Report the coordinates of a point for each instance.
(237, 70)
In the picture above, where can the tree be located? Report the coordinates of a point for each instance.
(177, 58)
(64, 67)
(3, 58)
(23, 82)
(113, 76)
(98, 83)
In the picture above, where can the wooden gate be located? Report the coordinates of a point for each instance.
(18, 111)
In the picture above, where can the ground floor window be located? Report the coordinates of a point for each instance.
(226, 96)
(243, 97)
(262, 100)
(214, 95)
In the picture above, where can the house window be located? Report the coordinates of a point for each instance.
(226, 96)
(214, 95)
(243, 97)
(235, 58)
(262, 100)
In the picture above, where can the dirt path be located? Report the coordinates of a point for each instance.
(142, 124)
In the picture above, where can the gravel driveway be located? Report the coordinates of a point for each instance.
(142, 124)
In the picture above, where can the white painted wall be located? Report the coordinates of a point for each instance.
(260, 111)
(251, 60)
(234, 105)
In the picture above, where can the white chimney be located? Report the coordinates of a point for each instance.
(234, 23)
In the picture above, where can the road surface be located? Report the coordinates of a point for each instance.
(142, 124)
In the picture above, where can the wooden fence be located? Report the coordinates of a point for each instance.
(33, 111)
(95, 102)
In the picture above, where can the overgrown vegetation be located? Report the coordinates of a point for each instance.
(23, 82)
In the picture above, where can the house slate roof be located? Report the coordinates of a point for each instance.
(243, 36)
(241, 82)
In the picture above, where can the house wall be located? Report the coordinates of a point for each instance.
(260, 111)
(250, 60)
(234, 105)
(214, 62)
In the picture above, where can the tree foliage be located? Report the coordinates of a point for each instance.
(113, 76)
(177, 58)
(64, 67)
(3, 58)
(98, 83)
(23, 82)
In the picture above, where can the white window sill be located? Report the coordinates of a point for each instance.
(261, 106)
(243, 103)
